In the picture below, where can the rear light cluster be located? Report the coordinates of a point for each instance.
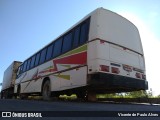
(139, 73)
(115, 70)
(105, 68)
(140, 76)
(127, 68)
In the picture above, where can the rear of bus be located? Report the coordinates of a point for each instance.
(115, 54)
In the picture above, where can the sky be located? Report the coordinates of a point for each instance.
(28, 25)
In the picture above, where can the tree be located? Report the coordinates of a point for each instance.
(135, 94)
(106, 95)
(158, 96)
(149, 93)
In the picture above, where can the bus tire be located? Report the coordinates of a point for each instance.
(46, 91)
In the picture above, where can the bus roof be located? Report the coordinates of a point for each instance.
(84, 18)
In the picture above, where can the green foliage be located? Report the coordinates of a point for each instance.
(113, 95)
(72, 97)
(106, 95)
(135, 94)
(158, 96)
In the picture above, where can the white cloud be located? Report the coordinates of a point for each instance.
(151, 47)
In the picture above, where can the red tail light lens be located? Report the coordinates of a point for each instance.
(115, 70)
(138, 75)
(104, 68)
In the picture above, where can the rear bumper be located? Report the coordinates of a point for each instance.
(103, 82)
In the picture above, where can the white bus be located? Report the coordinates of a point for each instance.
(102, 53)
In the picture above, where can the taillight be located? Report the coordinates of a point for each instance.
(143, 76)
(115, 70)
(138, 75)
(104, 68)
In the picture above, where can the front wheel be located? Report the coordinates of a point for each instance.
(46, 91)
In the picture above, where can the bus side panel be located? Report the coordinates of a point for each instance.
(31, 81)
(69, 79)
(31, 86)
(34, 77)
(79, 76)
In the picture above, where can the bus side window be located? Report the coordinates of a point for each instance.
(29, 61)
(37, 59)
(76, 37)
(43, 56)
(57, 47)
(32, 62)
(67, 42)
(49, 52)
(21, 68)
(24, 66)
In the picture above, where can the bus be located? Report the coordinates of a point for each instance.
(102, 53)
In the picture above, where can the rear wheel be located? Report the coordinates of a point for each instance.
(46, 91)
